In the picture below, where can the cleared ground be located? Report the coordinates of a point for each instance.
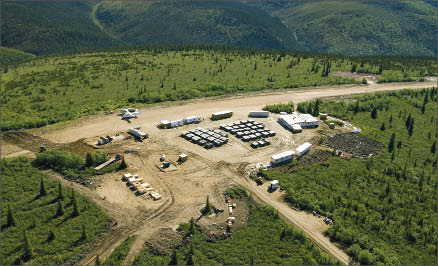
(207, 172)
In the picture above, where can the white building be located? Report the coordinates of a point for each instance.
(282, 157)
(274, 184)
(304, 120)
(304, 148)
(191, 119)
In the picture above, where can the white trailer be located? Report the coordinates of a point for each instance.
(221, 115)
(258, 114)
(174, 123)
(282, 157)
(303, 148)
(191, 119)
(274, 185)
(137, 133)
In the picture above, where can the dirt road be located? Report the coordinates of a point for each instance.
(150, 117)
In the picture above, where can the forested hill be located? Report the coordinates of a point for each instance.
(51, 27)
(359, 27)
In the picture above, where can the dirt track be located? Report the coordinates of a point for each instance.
(207, 172)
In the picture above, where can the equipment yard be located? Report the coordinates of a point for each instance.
(203, 172)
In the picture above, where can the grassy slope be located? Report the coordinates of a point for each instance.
(363, 27)
(51, 27)
(396, 224)
(20, 186)
(259, 243)
(10, 56)
(197, 22)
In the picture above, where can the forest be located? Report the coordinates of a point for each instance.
(384, 207)
(265, 240)
(42, 221)
(73, 166)
(49, 90)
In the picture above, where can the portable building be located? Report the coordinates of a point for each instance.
(282, 157)
(258, 114)
(303, 148)
(221, 115)
(137, 133)
(174, 123)
(331, 125)
(126, 176)
(183, 157)
(323, 116)
(274, 184)
(131, 180)
(191, 119)
(296, 128)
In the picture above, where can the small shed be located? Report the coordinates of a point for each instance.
(323, 116)
(332, 125)
(274, 184)
(296, 128)
(183, 157)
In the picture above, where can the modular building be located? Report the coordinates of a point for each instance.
(191, 119)
(221, 115)
(258, 114)
(282, 157)
(304, 120)
(304, 148)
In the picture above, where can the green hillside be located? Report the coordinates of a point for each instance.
(337, 26)
(10, 56)
(363, 27)
(50, 27)
(194, 22)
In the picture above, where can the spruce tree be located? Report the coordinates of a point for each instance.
(75, 205)
(60, 211)
(433, 148)
(411, 127)
(391, 143)
(309, 108)
(60, 194)
(356, 107)
(10, 220)
(174, 258)
(42, 188)
(88, 160)
(374, 113)
(51, 236)
(192, 227)
(191, 253)
(28, 250)
(382, 127)
(84, 233)
(97, 260)
(207, 208)
(123, 164)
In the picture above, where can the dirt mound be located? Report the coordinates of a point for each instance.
(354, 144)
(27, 141)
(164, 241)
